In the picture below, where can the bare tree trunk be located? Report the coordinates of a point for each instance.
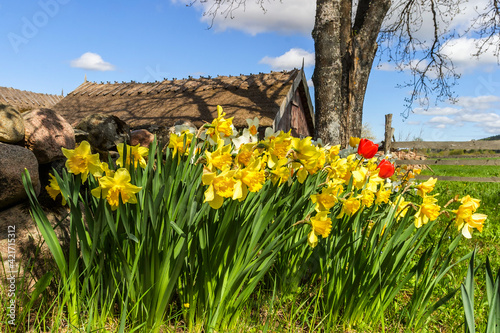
(327, 77)
(344, 57)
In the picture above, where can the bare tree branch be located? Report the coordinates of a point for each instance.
(433, 72)
(226, 8)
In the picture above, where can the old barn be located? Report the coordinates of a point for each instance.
(279, 99)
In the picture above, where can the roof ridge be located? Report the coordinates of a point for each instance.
(26, 91)
(212, 78)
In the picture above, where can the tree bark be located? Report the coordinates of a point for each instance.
(327, 76)
(345, 51)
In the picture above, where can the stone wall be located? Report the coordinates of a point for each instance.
(31, 141)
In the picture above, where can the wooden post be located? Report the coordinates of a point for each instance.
(388, 133)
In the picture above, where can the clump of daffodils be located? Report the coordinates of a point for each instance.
(235, 165)
(238, 163)
(113, 184)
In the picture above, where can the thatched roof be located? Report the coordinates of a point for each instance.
(26, 100)
(164, 103)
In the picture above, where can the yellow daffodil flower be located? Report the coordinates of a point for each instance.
(465, 219)
(281, 172)
(367, 198)
(327, 199)
(221, 158)
(81, 161)
(137, 153)
(220, 126)
(112, 188)
(464, 212)
(106, 170)
(278, 148)
(372, 164)
(382, 196)
(305, 152)
(176, 143)
(373, 183)
(244, 155)
(470, 202)
(349, 207)
(339, 168)
(252, 176)
(426, 187)
(474, 221)
(219, 187)
(321, 225)
(301, 173)
(359, 177)
(428, 211)
(332, 153)
(354, 142)
(53, 189)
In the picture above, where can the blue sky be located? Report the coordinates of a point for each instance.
(50, 45)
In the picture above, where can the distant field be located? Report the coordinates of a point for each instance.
(463, 170)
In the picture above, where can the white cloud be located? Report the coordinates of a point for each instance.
(414, 122)
(92, 61)
(483, 112)
(480, 102)
(441, 120)
(437, 111)
(289, 60)
(462, 50)
(484, 118)
(463, 13)
(287, 17)
(492, 127)
(454, 19)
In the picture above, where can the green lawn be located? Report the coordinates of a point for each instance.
(463, 170)
(487, 242)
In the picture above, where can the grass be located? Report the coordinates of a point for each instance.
(463, 170)
(269, 311)
(487, 242)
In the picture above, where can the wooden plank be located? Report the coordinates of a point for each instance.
(450, 162)
(32, 100)
(466, 157)
(461, 179)
(388, 133)
(81, 87)
(123, 86)
(480, 144)
(116, 86)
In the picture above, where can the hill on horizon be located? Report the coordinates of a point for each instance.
(491, 138)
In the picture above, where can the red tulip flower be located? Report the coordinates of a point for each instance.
(386, 169)
(367, 149)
